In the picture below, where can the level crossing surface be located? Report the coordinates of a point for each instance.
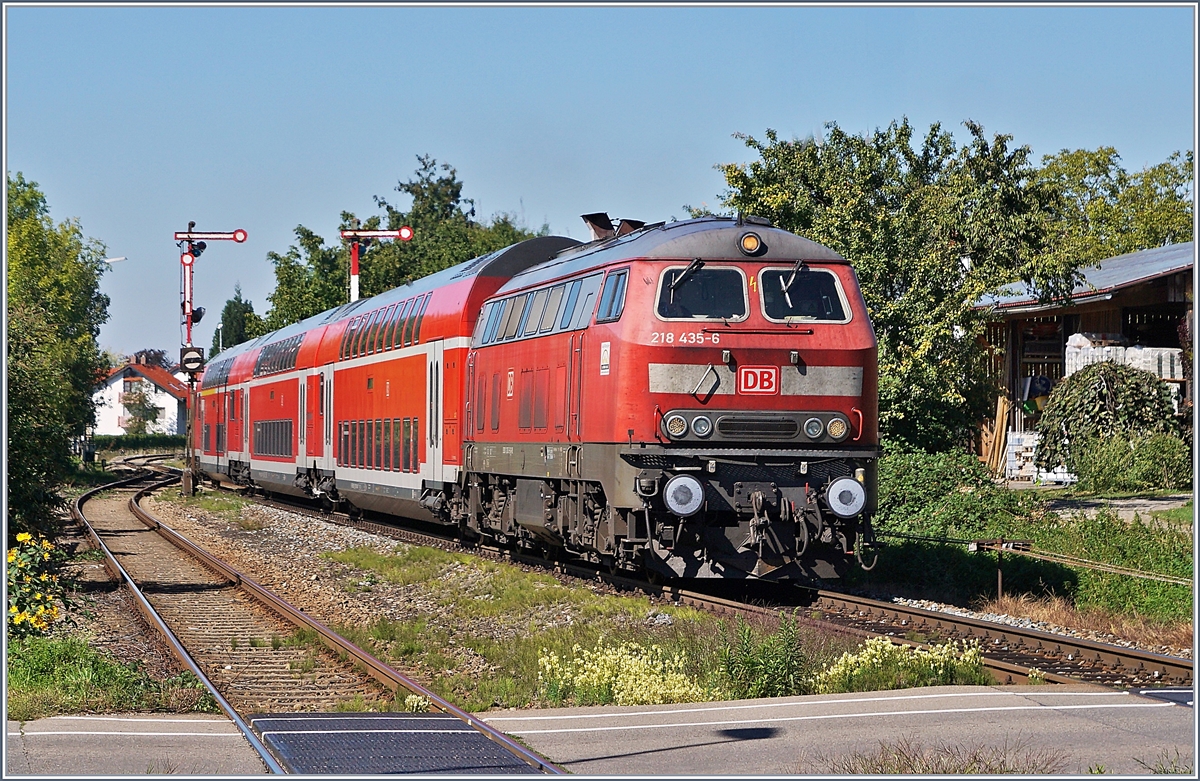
(1086, 725)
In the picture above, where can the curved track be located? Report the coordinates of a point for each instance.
(239, 639)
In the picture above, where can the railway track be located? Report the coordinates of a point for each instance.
(254, 652)
(1010, 653)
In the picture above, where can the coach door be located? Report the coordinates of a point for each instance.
(314, 438)
(435, 394)
(326, 461)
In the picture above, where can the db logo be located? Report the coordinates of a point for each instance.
(758, 379)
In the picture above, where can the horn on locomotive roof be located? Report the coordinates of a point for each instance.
(629, 226)
(600, 225)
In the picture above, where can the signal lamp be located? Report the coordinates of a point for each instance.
(750, 244)
(197, 314)
(838, 428)
(676, 425)
(197, 248)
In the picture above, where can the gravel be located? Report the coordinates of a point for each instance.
(1043, 626)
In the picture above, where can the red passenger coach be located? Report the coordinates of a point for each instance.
(692, 399)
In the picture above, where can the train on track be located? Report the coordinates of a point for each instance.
(693, 399)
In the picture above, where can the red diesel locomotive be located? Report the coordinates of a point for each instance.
(687, 399)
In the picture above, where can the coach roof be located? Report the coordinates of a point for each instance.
(705, 237)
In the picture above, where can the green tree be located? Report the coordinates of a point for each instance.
(55, 269)
(237, 316)
(1107, 211)
(54, 312)
(312, 277)
(39, 433)
(930, 229)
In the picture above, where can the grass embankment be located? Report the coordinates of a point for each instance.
(952, 497)
(502, 637)
(52, 676)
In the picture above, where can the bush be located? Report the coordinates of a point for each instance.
(881, 664)
(1098, 402)
(1119, 464)
(941, 494)
(33, 586)
(138, 441)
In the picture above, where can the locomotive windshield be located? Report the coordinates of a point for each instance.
(801, 294)
(699, 292)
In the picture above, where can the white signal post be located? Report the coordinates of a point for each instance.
(403, 234)
(191, 244)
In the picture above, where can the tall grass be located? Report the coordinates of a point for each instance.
(908, 756)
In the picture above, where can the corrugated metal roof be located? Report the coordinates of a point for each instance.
(1106, 276)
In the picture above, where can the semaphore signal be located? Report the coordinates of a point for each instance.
(404, 233)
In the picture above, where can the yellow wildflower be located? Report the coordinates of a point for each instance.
(24, 537)
(12, 554)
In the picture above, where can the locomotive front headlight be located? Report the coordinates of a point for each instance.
(750, 244)
(846, 497)
(814, 428)
(676, 425)
(838, 428)
(684, 495)
(701, 425)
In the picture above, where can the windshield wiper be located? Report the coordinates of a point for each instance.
(687, 272)
(786, 286)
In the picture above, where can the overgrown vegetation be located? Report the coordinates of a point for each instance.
(50, 676)
(908, 756)
(550, 644)
(943, 496)
(1114, 427)
(881, 664)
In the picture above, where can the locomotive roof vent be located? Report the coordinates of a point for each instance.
(600, 225)
(628, 226)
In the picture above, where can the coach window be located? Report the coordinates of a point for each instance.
(348, 337)
(699, 292)
(534, 319)
(612, 299)
(389, 335)
(412, 321)
(378, 463)
(551, 313)
(407, 463)
(377, 342)
(395, 445)
(364, 331)
(790, 294)
(500, 312)
(421, 318)
(479, 403)
(513, 321)
(397, 332)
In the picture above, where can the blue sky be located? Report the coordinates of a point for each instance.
(137, 119)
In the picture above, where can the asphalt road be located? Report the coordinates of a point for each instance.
(794, 734)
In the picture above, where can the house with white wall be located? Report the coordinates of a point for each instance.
(164, 390)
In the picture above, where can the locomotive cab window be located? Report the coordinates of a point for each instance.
(790, 294)
(700, 292)
(612, 298)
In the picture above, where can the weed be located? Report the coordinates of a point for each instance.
(907, 756)
(276, 642)
(233, 643)
(415, 703)
(774, 666)
(628, 674)
(304, 665)
(257, 642)
(1169, 764)
(1036, 677)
